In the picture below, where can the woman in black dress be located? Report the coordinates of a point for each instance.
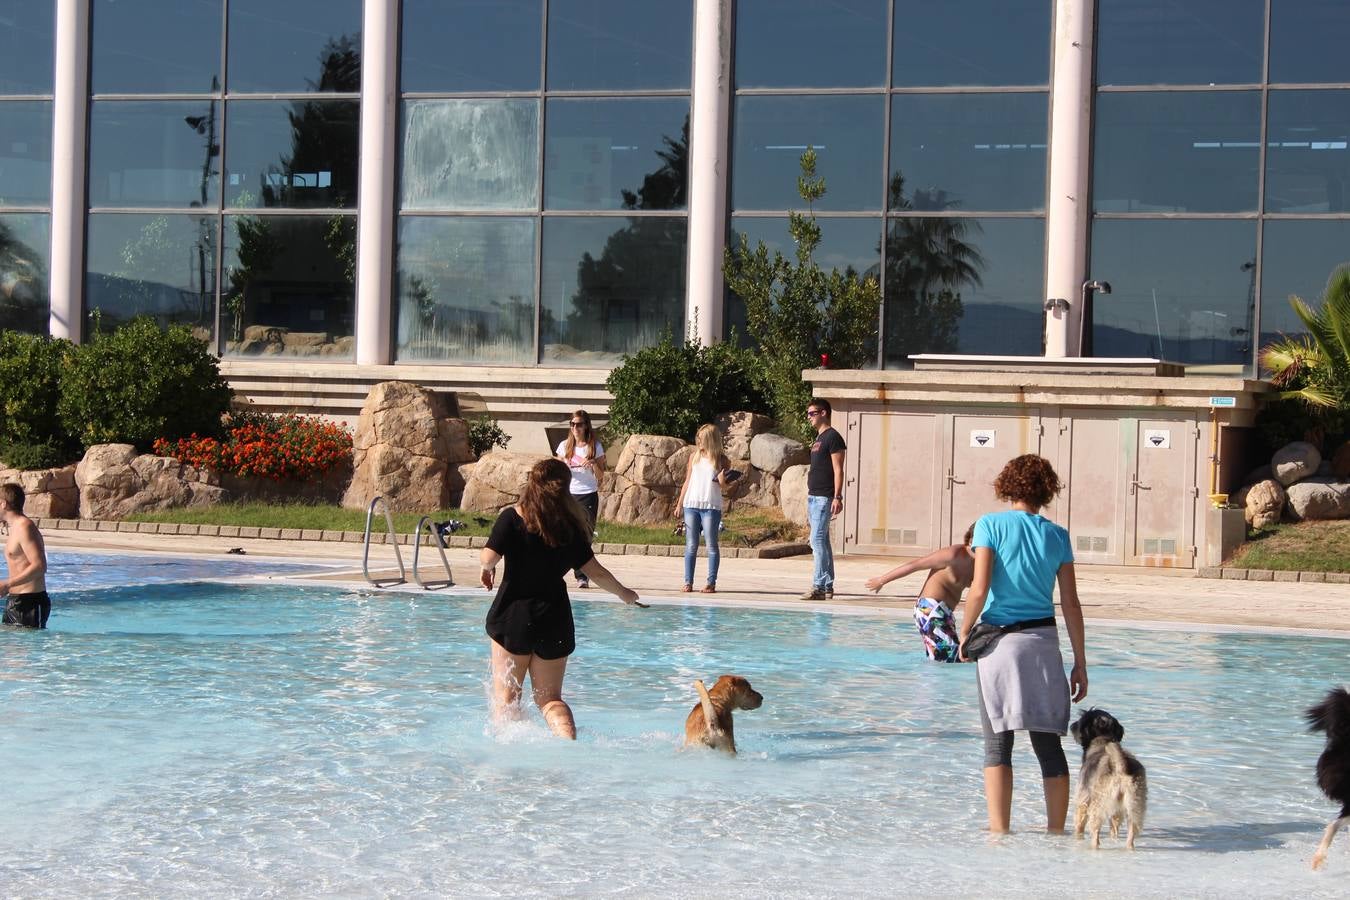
(530, 623)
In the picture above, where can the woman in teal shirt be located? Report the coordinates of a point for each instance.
(1019, 557)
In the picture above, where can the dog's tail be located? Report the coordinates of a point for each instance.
(1332, 715)
(709, 716)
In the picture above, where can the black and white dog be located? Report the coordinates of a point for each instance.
(1111, 784)
(1332, 717)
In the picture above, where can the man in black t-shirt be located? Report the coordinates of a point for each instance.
(824, 497)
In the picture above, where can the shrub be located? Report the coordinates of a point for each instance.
(30, 374)
(140, 383)
(671, 388)
(285, 447)
(33, 454)
(485, 433)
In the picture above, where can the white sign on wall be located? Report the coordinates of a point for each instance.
(982, 437)
(1158, 438)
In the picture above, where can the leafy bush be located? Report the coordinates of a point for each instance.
(485, 433)
(281, 447)
(140, 383)
(34, 454)
(30, 375)
(671, 388)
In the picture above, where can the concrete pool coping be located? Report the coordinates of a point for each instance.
(1121, 596)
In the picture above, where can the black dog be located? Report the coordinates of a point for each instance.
(1112, 785)
(1332, 716)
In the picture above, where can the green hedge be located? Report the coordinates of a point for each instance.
(30, 388)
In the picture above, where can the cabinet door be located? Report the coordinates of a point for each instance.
(1093, 447)
(1161, 494)
(893, 487)
(980, 445)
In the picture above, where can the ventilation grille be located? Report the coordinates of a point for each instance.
(1160, 547)
(904, 536)
(1093, 543)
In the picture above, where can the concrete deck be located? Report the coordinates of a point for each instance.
(1131, 596)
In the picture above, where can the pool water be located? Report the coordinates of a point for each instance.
(275, 739)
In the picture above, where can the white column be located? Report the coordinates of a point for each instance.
(1066, 227)
(375, 195)
(708, 167)
(70, 93)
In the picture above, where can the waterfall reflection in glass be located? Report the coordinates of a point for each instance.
(159, 265)
(466, 289)
(470, 154)
(25, 301)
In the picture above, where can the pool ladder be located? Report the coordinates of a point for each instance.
(423, 524)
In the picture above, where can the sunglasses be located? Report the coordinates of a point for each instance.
(576, 424)
(815, 412)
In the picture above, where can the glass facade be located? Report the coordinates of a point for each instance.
(1218, 189)
(949, 140)
(179, 140)
(542, 219)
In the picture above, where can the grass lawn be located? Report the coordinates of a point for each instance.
(1302, 547)
(747, 528)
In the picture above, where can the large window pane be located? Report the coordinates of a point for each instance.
(1297, 259)
(771, 133)
(1177, 152)
(471, 45)
(288, 286)
(154, 153)
(162, 266)
(470, 154)
(963, 285)
(1308, 152)
(1181, 290)
(983, 42)
(295, 45)
(616, 45)
(25, 247)
(25, 152)
(610, 286)
(1180, 41)
(1308, 40)
(155, 46)
(810, 43)
(299, 154)
(968, 151)
(851, 244)
(466, 289)
(26, 46)
(616, 154)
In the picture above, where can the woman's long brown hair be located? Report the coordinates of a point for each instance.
(572, 438)
(547, 507)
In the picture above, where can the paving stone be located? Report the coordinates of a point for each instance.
(312, 534)
(269, 533)
(353, 537)
(1338, 577)
(329, 536)
(229, 531)
(1210, 572)
(208, 530)
(289, 534)
(248, 531)
(107, 526)
(147, 528)
(168, 528)
(1286, 576)
(1313, 577)
(126, 527)
(1260, 575)
(1235, 574)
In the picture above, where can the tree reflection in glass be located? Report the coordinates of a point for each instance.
(156, 265)
(929, 259)
(25, 304)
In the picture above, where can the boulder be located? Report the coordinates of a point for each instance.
(1340, 461)
(754, 488)
(1319, 498)
(1291, 462)
(738, 429)
(115, 482)
(1264, 503)
(646, 480)
(406, 449)
(792, 494)
(773, 453)
(497, 480)
(50, 493)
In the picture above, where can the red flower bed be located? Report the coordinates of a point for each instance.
(286, 447)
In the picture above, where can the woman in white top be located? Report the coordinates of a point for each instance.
(701, 503)
(586, 458)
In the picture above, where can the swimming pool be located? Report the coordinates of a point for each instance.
(225, 739)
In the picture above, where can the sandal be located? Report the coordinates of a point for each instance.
(686, 589)
(710, 589)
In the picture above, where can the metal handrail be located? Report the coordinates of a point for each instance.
(393, 537)
(425, 523)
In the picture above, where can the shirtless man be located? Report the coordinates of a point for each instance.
(26, 588)
(950, 571)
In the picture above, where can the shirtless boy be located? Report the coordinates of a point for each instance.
(26, 588)
(950, 571)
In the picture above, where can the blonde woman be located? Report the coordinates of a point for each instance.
(585, 456)
(700, 503)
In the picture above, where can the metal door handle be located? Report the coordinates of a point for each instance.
(1136, 483)
(952, 479)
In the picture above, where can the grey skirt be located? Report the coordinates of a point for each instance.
(1022, 683)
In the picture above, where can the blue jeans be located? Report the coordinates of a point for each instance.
(709, 522)
(818, 517)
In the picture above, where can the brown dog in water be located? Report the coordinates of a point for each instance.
(709, 722)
